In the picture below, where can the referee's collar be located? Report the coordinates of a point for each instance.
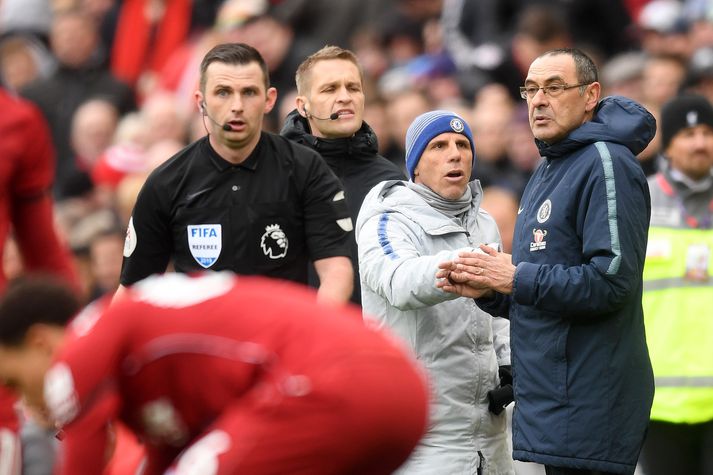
(222, 164)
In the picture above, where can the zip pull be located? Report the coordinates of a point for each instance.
(481, 462)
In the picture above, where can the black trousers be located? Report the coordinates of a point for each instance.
(678, 448)
(549, 470)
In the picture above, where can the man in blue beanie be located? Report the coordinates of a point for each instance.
(404, 230)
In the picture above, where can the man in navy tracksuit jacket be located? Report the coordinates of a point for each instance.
(582, 377)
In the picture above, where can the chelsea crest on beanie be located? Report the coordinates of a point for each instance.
(684, 111)
(427, 126)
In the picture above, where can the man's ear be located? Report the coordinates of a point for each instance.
(594, 92)
(200, 101)
(301, 104)
(270, 99)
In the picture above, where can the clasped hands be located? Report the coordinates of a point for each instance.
(477, 273)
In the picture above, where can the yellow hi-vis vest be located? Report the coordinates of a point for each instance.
(678, 313)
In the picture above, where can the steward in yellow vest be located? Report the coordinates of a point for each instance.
(678, 293)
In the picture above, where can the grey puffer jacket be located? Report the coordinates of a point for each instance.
(401, 241)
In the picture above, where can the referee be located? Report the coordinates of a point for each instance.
(240, 198)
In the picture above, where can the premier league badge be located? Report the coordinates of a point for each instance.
(274, 242)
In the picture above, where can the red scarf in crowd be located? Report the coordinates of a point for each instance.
(141, 46)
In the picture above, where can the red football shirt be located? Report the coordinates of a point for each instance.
(176, 351)
(26, 175)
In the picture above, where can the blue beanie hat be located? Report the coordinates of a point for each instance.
(427, 126)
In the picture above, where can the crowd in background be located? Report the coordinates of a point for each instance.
(115, 81)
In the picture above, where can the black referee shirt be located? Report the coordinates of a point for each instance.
(269, 215)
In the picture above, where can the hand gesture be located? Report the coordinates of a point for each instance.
(476, 274)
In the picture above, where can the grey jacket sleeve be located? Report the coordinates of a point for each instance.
(392, 266)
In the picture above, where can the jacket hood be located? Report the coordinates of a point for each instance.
(362, 143)
(617, 119)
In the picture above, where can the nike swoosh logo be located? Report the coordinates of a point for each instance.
(197, 193)
(519, 210)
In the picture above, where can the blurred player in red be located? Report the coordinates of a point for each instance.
(26, 174)
(217, 374)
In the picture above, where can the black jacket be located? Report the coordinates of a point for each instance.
(356, 162)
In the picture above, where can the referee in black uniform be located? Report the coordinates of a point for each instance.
(240, 198)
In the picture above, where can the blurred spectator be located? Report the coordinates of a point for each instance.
(375, 116)
(98, 9)
(650, 158)
(135, 151)
(180, 73)
(161, 151)
(323, 24)
(540, 28)
(501, 204)
(164, 119)
(288, 104)
(366, 43)
(678, 293)
(493, 95)
(663, 29)
(93, 127)
(401, 110)
(490, 125)
(125, 155)
(634, 7)
(79, 76)
(31, 17)
(622, 75)
(132, 129)
(491, 121)
(478, 33)
(125, 159)
(412, 50)
(126, 192)
(700, 72)
(521, 149)
(663, 76)
(603, 27)
(700, 17)
(23, 59)
(113, 165)
(93, 239)
(402, 44)
(147, 31)
(105, 257)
